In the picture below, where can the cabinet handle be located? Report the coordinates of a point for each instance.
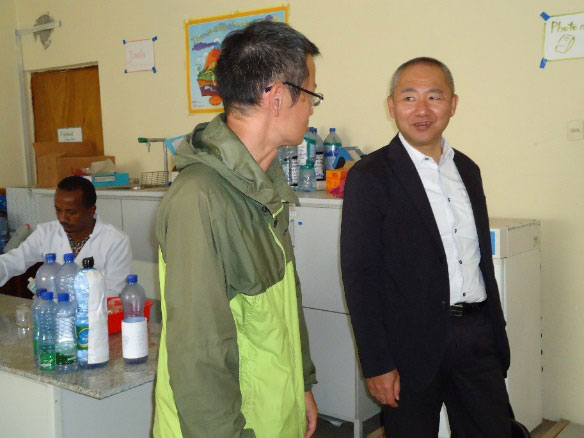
(291, 230)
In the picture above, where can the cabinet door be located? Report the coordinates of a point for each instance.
(333, 353)
(139, 224)
(316, 233)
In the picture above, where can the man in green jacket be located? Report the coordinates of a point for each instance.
(234, 358)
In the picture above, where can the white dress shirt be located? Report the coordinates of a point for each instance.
(454, 216)
(109, 247)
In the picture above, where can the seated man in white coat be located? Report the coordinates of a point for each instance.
(78, 230)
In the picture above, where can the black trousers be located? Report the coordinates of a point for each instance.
(470, 383)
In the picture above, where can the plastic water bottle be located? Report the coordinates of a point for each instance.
(36, 326)
(332, 143)
(293, 163)
(45, 276)
(66, 277)
(4, 235)
(283, 158)
(47, 333)
(319, 156)
(134, 325)
(307, 149)
(82, 327)
(65, 342)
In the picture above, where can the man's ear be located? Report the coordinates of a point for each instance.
(276, 98)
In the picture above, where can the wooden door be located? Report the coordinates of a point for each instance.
(67, 99)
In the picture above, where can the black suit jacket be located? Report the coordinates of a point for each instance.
(394, 266)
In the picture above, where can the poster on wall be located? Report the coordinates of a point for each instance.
(563, 37)
(203, 43)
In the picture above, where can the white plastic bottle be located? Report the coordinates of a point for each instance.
(332, 143)
(45, 276)
(65, 341)
(134, 325)
(66, 277)
(92, 331)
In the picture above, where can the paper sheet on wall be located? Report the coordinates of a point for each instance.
(564, 36)
(139, 55)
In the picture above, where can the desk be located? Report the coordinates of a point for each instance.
(114, 401)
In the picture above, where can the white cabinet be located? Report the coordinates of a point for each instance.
(340, 392)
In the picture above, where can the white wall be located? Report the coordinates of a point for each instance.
(12, 163)
(511, 117)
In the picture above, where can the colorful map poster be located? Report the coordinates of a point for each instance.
(203, 41)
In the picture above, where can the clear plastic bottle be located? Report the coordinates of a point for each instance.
(45, 276)
(293, 163)
(332, 143)
(4, 235)
(307, 149)
(65, 342)
(283, 158)
(66, 277)
(319, 156)
(134, 325)
(82, 327)
(47, 333)
(36, 326)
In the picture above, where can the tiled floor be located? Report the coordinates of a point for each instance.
(326, 429)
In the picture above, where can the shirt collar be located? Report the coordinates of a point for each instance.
(418, 157)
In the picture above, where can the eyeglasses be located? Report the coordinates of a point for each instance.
(316, 97)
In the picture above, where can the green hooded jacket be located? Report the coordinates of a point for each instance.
(234, 358)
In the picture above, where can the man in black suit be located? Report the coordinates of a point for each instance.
(418, 271)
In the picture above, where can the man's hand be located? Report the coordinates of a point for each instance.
(385, 388)
(311, 414)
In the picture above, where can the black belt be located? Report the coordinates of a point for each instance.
(461, 309)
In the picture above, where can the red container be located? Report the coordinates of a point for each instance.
(115, 314)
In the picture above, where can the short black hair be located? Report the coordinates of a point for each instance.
(255, 57)
(422, 60)
(72, 183)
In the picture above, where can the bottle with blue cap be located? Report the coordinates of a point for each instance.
(134, 325)
(47, 273)
(65, 278)
(332, 143)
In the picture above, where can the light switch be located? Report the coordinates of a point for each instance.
(576, 130)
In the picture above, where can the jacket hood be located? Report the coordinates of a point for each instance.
(215, 145)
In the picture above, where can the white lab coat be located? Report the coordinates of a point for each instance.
(109, 247)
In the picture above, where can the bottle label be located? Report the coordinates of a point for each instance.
(302, 152)
(319, 166)
(135, 339)
(294, 168)
(82, 336)
(47, 361)
(35, 347)
(66, 359)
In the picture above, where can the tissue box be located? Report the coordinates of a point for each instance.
(110, 179)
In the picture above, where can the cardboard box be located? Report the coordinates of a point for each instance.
(55, 161)
(334, 178)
